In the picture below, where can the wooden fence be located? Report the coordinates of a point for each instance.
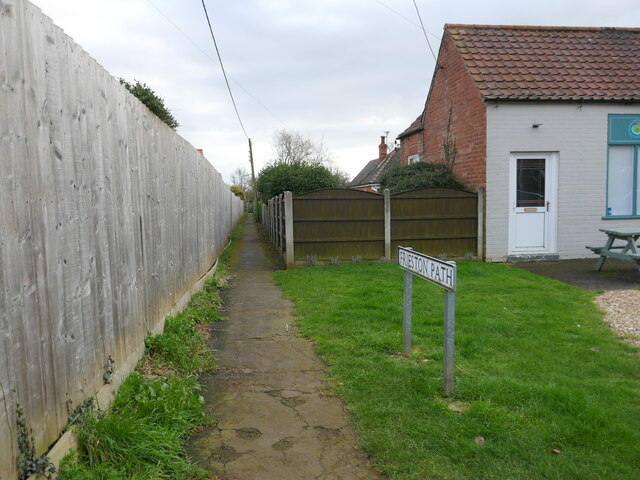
(276, 224)
(107, 219)
(342, 224)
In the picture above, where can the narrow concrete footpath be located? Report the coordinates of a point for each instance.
(274, 423)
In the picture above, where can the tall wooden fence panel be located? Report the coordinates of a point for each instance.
(338, 223)
(107, 218)
(435, 221)
(341, 224)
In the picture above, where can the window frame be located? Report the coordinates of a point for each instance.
(415, 158)
(614, 140)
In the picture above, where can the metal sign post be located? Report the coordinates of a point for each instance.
(406, 324)
(440, 273)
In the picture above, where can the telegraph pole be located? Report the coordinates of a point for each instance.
(253, 181)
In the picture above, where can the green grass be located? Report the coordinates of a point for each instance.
(181, 346)
(142, 435)
(535, 371)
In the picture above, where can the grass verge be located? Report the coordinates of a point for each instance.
(159, 405)
(543, 389)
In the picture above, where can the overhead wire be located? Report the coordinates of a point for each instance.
(224, 73)
(407, 19)
(184, 34)
(423, 31)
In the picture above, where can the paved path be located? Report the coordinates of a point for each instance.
(274, 423)
(615, 274)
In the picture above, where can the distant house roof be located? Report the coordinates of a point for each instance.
(370, 174)
(551, 63)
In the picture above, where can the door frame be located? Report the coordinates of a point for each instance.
(551, 196)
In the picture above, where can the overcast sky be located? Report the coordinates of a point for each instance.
(341, 72)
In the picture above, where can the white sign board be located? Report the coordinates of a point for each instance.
(442, 274)
(432, 269)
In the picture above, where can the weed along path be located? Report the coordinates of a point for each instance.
(273, 422)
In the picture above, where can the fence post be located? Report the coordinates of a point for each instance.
(449, 328)
(387, 224)
(406, 323)
(288, 228)
(480, 224)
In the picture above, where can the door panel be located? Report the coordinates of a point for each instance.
(532, 199)
(530, 230)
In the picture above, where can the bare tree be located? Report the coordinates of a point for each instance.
(295, 153)
(240, 178)
(341, 175)
(291, 147)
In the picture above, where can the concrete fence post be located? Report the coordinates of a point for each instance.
(387, 224)
(288, 229)
(481, 200)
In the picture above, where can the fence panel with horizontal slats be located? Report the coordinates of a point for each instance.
(341, 224)
(435, 221)
(338, 223)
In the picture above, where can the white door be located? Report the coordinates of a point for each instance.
(532, 200)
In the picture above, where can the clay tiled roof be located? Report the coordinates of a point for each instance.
(551, 63)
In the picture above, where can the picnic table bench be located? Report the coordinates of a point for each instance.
(627, 251)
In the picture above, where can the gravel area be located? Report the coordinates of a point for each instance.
(622, 313)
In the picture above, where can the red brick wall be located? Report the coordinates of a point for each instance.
(411, 145)
(453, 87)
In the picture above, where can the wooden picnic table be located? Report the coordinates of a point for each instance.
(627, 251)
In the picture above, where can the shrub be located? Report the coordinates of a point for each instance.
(419, 175)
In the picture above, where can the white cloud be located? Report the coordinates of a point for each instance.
(340, 71)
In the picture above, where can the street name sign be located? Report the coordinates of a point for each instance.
(440, 273)
(432, 269)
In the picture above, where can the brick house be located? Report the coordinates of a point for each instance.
(547, 120)
(368, 179)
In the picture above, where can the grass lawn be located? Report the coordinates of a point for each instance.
(542, 388)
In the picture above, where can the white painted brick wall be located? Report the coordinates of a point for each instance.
(579, 135)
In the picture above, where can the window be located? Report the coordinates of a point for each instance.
(411, 159)
(530, 173)
(623, 169)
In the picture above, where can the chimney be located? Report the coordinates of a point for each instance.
(200, 151)
(382, 149)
